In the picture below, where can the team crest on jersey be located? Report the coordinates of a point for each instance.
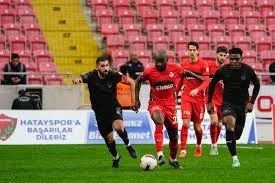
(242, 77)
(171, 74)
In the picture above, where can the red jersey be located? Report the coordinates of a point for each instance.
(163, 84)
(190, 83)
(217, 96)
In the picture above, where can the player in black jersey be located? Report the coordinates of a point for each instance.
(102, 88)
(236, 77)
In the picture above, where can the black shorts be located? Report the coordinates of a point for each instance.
(105, 120)
(235, 110)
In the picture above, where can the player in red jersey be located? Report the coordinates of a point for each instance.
(216, 116)
(192, 98)
(162, 77)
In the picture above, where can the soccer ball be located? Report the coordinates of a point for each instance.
(148, 162)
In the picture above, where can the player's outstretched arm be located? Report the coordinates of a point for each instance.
(131, 82)
(77, 80)
(192, 74)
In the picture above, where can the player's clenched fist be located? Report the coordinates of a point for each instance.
(77, 81)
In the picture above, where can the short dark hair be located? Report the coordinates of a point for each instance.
(221, 49)
(236, 51)
(160, 55)
(14, 55)
(193, 43)
(101, 58)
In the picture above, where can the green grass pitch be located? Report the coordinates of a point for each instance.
(92, 163)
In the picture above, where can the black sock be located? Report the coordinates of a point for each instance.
(112, 148)
(124, 137)
(231, 142)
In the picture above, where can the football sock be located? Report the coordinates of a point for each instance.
(173, 145)
(231, 142)
(160, 153)
(183, 136)
(234, 157)
(219, 128)
(238, 131)
(199, 136)
(159, 137)
(112, 148)
(213, 133)
(124, 137)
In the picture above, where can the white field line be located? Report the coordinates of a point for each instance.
(243, 147)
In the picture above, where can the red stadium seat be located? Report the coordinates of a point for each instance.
(5, 56)
(267, 57)
(120, 6)
(145, 57)
(182, 55)
(252, 18)
(25, 56)
(170, 17)
(12, 29)
(216, 30)
(5, 4)
(265, 6)
(143, 6)
(42, 56)
(190, 17)
(131, 30)
(164, 5)
(27, 17)
(171, 56)
(2, 42)
(99, 5)
(242, 42)
(231, 18)
(34, 79)
(37, 42)
(160, 43)
(53, 79)
(236, 31)
(210, 17)
(150, 17)
(22, 4)
(154, 31)
(104, 16)
(7, 16)
(249, 57)
(32, 30)
(222, 41)
(30, 66)
(205, 5)
(208, 55)
(196, 30)
(269, 19)
(17, 43)
(271, 29)
(245, 6)
(126, 17)
(109, 29)
(115, 42)
(225, 5)
(185, 5)
(257, 31)
(180, 43)
(204, 42)
(137, 42)
(49, 67)
(263, 44)
(175, 31)
(119, 57)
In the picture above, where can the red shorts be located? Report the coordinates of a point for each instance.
(169, 113)
(218, 111)
(192, 111)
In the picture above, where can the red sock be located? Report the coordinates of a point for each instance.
(183, 136)
(173, 145)
(213, 133)
(199, 136)
(219, 128)
(159, 137)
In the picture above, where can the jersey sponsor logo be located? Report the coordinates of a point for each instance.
(7, 126)
(164, 85)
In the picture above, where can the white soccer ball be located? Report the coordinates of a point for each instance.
(148, 162)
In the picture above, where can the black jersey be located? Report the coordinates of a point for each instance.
(102, 91)
(236, 83)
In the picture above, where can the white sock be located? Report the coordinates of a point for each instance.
(128, 144)
(214, 145)
(183, 151)
(116, 157)
(172, 160)
(234, 157)
(160, 153)
(198, 145)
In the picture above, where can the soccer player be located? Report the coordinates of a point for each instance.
(192, 98)
(216, 117)
(102, 88)
(236, 77)
(162, 104)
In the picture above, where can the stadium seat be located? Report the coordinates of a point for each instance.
(115, 42)
(242, 42)
(216, 30)
(250, 57)
(37, 42)
(269, 19)
(185, 5)
(182, 55)
(258, 67)
(27, 17)
(32, 30)
(164, 6)
(49, 67)
(30, 66)
(170, 17)
(236, 31)
(190, 17)
(2, 42)
(22, 4)
(17, 43)
(154, 31)
(160, 43)
(7, 16)
(42, 56)
(104, 16)
(109, 29)
(251, 18)
(175, 31)
(53, 79)
(256, 31)
(137, 42)
(131, 30)
(25, 56)
(271, 29)
(265, 6)
(5, 56)
(204, 42)
(120, 5)
(12, 29)
(205, 5)
(126, 17)
(99, 5)
(180, 43)
(222, 41)
(145, 57)
(196, 30)
(263, 44)
(210, 17)
(5, 4)
(225, 5)
(143, 6)
(150, 17)
(119, 57)
(34, 79)
(171, 56)
(245, 6)
(267, 57)
(208, 55)
(231, 18)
